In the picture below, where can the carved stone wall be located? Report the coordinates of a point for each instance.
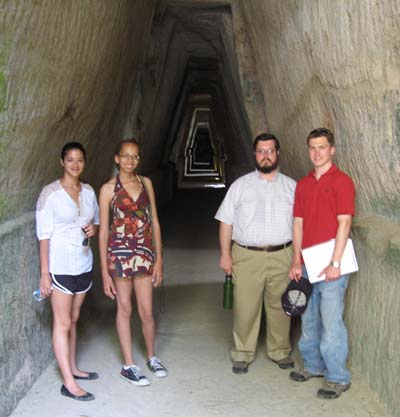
(67, 72)
(337, 64)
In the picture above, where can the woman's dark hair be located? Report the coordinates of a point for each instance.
(123, 142)
(72, 145)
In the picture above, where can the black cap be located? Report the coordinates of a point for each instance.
(295, 298)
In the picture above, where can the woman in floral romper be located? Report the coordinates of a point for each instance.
(130, 255)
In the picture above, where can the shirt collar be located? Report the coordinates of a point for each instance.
(273, 179)
(332, 170)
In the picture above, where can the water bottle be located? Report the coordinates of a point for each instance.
(37, 296)
(228, 292)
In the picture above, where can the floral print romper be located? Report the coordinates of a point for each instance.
(130, 246)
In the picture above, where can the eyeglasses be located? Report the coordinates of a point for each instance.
(263, 152)
(132, 157)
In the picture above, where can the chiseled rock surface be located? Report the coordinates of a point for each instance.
(25, 326)
(334, 64)
(67, 71)
(337, 64)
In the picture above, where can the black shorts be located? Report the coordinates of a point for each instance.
(72, 284)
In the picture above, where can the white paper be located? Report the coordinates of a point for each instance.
(317, 258)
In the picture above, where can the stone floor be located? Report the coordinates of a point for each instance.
(194, 338)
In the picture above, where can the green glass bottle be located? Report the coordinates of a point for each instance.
(228, 292)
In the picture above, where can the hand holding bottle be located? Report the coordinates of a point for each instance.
(45, 288)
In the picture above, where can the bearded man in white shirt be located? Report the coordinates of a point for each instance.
(257, 214)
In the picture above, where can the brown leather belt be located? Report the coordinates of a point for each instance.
(267, 248)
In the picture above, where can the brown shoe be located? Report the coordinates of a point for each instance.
(240, 367)
(303, 375)
(285, 363)
(331, 390)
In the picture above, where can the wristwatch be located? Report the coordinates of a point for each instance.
(335, 264)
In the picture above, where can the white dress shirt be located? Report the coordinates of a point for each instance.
(260, 210)
(59, 219)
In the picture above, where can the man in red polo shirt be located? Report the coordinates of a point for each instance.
(323, 210)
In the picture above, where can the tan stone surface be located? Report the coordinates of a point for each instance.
(69, 68)
(336, 64)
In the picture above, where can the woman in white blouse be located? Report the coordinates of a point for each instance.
(67, 216)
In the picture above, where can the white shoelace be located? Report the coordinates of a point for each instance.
(156, 363)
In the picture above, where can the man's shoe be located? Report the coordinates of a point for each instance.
(240, 367)
(303, 375)
(331, 390)
(85, 397)
(134, 375)
(285, 363)
(156, 367)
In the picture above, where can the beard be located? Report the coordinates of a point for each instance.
(266, 169)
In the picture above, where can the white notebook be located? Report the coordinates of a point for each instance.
(317, 257)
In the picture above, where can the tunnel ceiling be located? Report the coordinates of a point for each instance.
(192, 53)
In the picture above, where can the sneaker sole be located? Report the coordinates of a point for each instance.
(137, 383)
(160, 376)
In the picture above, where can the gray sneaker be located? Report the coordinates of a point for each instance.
(156, 367)
(134, 375)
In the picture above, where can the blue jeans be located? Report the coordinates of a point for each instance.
(324, 343)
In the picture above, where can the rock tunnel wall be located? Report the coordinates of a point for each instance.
(67, 72)
(337, 64)
(96, 72)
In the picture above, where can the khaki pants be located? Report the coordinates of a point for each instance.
(260, 277)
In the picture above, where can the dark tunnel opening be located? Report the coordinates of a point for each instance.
(199, 106)
(198, 127)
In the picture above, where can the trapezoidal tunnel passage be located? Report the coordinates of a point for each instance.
(195, 81)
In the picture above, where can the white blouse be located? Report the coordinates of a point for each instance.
(60, 220)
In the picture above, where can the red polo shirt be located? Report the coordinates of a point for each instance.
(319, 202)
